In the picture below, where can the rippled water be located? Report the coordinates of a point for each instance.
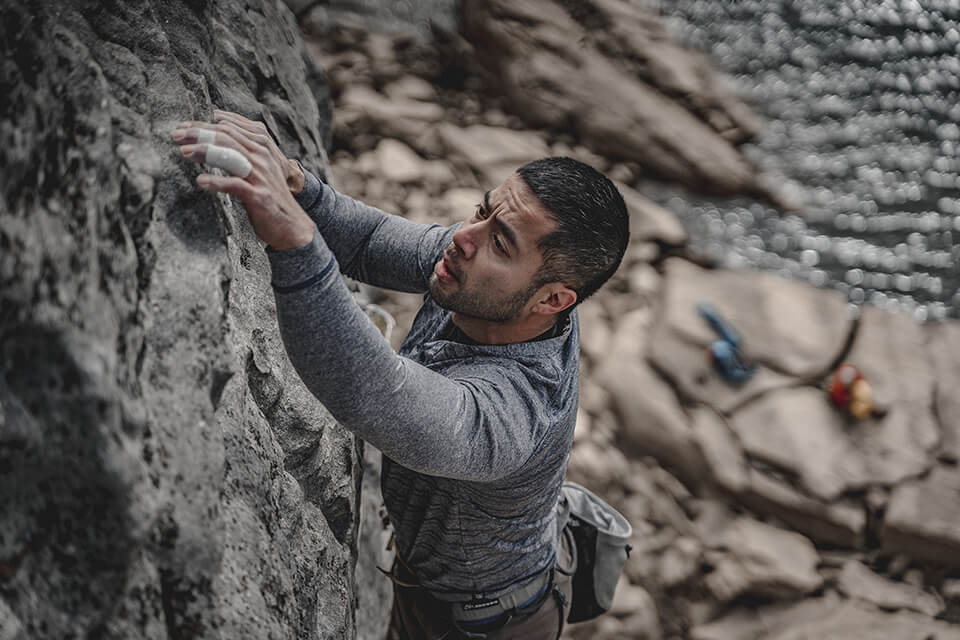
(862, 109)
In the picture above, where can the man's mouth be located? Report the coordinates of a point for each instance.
(445, 270)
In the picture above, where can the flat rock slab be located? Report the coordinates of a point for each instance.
(363, 109)
(858, 581)
(788, 326)
(944, 351)
(923, 518)
(721, 449)
(833, 522)
(758, 623)
(891, 351)
(854, 620)
(687, 365)
(762, 560)
(799, 431)
(496, 152)
(789, 329)
(842, 522)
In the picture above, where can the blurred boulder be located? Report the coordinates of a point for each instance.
(854, 619)
(364, 110)
(841, 522)
(906, 432)
(597, 468)
(799, 431)
(943, 345)
(560, 65)
(493, 153)
(398, 162)
(724, 457)
(411, 19)
(633, 604)
(763, 623)
(680, 562)
(923, 517)
(762, 560)
(650, 222)
(653, 421)
(791, 331)
(459, 203)
(858, 581)
(411, 88)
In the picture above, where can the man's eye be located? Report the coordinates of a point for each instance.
(480, 213)
(498, 244)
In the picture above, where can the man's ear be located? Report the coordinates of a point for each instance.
(554, 298)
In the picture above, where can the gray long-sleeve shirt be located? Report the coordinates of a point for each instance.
(475, 438)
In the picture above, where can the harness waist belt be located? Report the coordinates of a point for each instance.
(517, 599)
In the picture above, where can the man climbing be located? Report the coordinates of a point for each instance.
(475, 415)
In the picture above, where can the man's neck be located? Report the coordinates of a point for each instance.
(510, 332)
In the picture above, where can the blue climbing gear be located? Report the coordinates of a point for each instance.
(725, 353)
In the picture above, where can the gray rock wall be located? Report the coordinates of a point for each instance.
(163, 472)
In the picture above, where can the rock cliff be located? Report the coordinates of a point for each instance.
(163, 472)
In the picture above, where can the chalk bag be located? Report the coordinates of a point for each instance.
(600, 536)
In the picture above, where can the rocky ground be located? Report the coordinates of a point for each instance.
(759, 511)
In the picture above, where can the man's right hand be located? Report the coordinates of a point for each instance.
(261, 175)
(295, 177)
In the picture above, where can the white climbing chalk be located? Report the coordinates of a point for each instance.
(229, 160)
(205, 136)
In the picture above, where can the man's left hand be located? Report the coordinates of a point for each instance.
(264, 187)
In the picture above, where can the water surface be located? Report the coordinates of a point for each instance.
(862, 116)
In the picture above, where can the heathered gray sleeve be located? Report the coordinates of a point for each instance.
(425, 421)
(370, 245)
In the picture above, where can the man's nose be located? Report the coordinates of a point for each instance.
(464, 241)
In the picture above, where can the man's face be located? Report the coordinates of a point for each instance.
(489, 271)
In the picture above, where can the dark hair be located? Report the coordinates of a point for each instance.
(592, 218)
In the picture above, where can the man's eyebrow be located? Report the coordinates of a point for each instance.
(504, 228)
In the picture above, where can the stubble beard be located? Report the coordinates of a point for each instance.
(471, 304)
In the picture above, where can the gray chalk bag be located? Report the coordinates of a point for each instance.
(600, 535)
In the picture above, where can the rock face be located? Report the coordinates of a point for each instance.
(163, 472)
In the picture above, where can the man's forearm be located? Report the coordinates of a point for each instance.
(370, 245)
(416, 416)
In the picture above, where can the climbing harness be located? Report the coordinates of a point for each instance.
(476, 618)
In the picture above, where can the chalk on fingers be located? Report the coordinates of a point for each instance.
(205, 136)
(229, 160)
